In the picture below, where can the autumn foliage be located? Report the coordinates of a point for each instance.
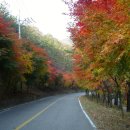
(101, 36)
(25, 64)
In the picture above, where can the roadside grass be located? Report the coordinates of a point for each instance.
(105, 118)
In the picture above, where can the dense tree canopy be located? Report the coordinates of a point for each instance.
(34, 61)
(101, 36)
(58, 52)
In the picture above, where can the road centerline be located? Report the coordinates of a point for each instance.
(36, 115)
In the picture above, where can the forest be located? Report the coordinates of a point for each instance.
(33, 61)
(101, 36)
(94, 70)
(98, 62)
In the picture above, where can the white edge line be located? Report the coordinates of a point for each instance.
(86, 115)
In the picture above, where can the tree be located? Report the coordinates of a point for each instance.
(101, 36)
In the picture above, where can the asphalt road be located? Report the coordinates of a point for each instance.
(61, 112)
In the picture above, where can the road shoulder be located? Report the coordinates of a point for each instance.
(105, 118)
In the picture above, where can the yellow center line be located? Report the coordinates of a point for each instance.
(35, 116)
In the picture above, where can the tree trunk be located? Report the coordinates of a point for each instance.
(120, 96)
(21, 86)
(108, 98)
(121, 106)
(116, 99)
(128, 101)
(28, 87)
(104, 98)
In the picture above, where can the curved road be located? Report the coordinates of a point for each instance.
(61, 112)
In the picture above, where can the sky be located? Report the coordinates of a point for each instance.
(47, 14)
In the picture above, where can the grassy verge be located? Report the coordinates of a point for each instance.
(105, 118)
